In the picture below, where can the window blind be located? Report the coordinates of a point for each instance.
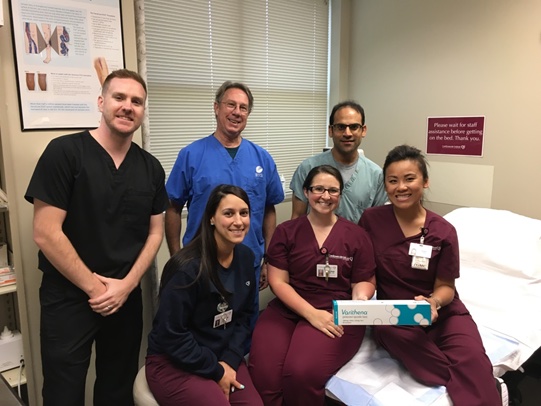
(279, 48)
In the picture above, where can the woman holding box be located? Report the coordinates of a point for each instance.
(417, 258)
(312, 260)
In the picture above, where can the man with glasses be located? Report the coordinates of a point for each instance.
(225, 157)
(363, 179)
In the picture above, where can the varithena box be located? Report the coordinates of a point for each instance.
(382, 312)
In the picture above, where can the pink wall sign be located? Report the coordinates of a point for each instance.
(455, 135)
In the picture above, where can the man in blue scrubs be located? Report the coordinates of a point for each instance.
(225, 157)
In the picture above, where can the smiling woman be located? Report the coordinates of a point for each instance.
(231, 223)
(312, 260)
(417, 258)
(196, 346)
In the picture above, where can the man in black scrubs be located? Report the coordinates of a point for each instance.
(98, 222)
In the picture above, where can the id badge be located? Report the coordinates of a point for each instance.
(327, 271)
(223, 318)
(420, 250)
(419, 263)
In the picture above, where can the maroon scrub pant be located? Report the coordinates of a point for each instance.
(291, 361)
(448, 353)
(171, 386)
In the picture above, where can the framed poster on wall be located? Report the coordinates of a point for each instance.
(64, 49)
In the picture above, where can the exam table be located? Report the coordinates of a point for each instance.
(500, 283)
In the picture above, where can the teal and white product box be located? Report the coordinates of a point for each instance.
(382, 312)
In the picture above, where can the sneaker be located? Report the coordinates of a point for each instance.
(502, 390)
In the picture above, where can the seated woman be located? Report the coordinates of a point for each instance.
(313, 259)
(196, 346)
(417, 258)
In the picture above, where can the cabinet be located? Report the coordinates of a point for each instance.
(9, 311)
(19, 304)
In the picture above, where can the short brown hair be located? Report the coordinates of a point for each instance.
(123, 74)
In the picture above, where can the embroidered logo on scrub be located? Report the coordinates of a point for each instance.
(258, 171)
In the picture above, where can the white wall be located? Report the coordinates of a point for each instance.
(418, 58)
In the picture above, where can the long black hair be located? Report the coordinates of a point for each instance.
(203, 246)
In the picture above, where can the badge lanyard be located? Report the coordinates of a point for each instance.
(420, 253)
(326, 270)
(224, 316)
(327, 267)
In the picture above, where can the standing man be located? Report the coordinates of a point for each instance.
(98, 222)
(363, 179)
(225, 157)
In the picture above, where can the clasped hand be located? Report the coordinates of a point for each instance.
(115, 295)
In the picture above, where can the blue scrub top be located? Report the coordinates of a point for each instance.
(205, 164)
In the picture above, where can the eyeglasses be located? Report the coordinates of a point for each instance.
(231, 105)
(319, 190)
(340, 128)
